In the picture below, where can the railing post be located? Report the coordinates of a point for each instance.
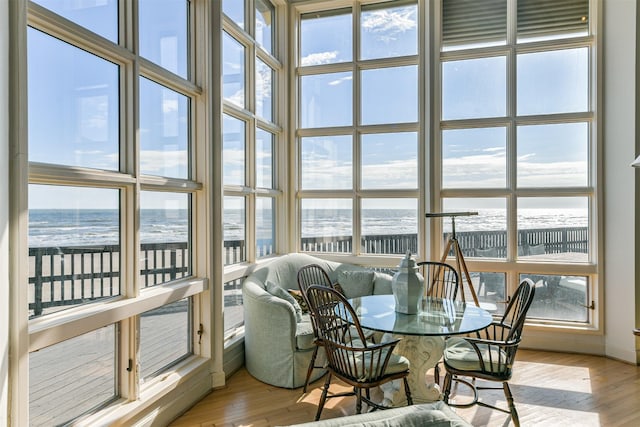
(37, 309)
(173, 261)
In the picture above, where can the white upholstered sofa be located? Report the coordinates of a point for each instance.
(278, 337)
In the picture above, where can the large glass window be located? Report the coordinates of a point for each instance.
(164, 137)
(252, 134)
(74, 247)
(165, 337)
(358, 133)
(73, 105)
(101, 17)
(57, 393)
(517, 146)
(111, 143)
(326, 38)
(165, 250)
(164, 33)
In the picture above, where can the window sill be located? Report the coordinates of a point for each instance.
(74, 322)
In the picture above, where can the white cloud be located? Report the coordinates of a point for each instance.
(319, 58)
(389, 23)
(392, 174)
(339, 81)
(159, 161)
(169, 106)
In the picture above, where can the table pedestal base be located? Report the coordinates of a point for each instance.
(423, 353)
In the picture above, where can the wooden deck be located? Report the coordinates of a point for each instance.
(72, 377)
(550, 389)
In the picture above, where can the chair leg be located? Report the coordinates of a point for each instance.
(323, 397)
(358, 400)
(407, 391)
(312, 365)
(512, 406)
(446, 387)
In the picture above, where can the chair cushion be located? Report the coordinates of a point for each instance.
(396, 363)
(460, 354)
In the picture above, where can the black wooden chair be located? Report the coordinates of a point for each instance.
(491, 354)
(440, 281)
(312, 274)
(351, 358)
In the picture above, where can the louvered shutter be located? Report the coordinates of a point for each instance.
(466, 22)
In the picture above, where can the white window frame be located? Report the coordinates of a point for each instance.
(249, 191)
(356, 130)
(123, 310)
(511, 266)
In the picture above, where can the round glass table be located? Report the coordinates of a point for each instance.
(422, 335)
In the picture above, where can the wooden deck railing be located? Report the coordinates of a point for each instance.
(61, 276)
(71, 275)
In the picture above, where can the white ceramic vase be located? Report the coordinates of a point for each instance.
(408, 286)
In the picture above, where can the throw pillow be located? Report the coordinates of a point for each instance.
(277, 291)
(297, 295)
(356, 283)
(338, 288)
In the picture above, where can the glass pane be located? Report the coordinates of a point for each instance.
(265, 226)
(163, 33)
(233, 310)
(326, 100)
(165, 337)
(72, 377)
(99, 16)
(483, 235)
(234, 230)
(388, 31)
(389, 226)
(233, 154)
(73, 105)
(326, 38)
(472, 24)
(553, 82)
(233, 83)
(164, 237)
(490, 290)
(553, 229)
(74, 247)
(554, 155)
(264, 24)
(559, 297)
(264, 159)
(327, 162)
(327, 225)
(549, 19)
(234, 9)
(390, 160)
(164, 131)
(474, 158)
(390, 95)
(474, 88)
(264, 90)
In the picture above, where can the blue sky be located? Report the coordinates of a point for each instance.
(74, 119)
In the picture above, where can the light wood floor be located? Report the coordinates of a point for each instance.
(550, 389)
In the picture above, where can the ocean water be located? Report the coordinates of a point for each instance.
(62, 227)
